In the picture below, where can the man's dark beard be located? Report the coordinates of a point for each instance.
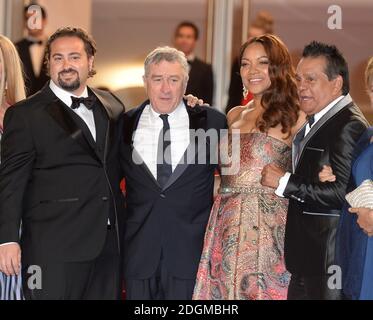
(69, 86)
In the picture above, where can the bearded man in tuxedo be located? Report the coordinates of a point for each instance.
(60, 177)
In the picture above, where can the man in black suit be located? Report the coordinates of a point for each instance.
(169, 182)
(334, 125)
(32, 48)
(201, 80)
(60, 177)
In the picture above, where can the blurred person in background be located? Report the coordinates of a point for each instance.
(201, 80)
(31, 49)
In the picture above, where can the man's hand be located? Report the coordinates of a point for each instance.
(271, 175)
(364, 219)
(193, 101)
(326, 174)
(10, 259)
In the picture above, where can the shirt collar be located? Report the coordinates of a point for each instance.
(191, 57)
(64, 95)
(322, 112)
(173, 115)
(33, 39)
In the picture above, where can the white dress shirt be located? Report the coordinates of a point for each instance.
(147, 135)
(82, 111)
(317, 116)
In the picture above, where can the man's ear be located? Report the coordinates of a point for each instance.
(338, 84)
(90, 63)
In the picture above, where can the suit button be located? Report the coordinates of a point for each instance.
(163, 196)
(104, 198)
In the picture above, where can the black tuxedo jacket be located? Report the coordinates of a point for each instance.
(315, 207)
(201, 80)
(170, 221)
(33, 83)
(57, 180)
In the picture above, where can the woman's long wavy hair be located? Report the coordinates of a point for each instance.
(12, 75)
(280, 101)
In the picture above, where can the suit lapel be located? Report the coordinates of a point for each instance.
(296, 145)
(113, 108)
(132, 123)
(70, 122)
(197, 120)
(104, 131)
(101, 124)
(60, 113)
(28, 61)
(330, 114)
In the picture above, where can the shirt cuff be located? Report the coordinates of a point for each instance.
(282, 184)
(6, 243)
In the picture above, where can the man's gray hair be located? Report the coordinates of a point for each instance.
(166, 54)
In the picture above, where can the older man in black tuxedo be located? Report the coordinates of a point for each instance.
(169, 185)
(329, 137)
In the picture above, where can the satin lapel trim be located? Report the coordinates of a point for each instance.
(294, 151)
(197, 120)
(112, 106)
(132, 123)
(138, 160)
(102, 127)
(57, 110)
(330, 114)
(104, 103)
(108, 127)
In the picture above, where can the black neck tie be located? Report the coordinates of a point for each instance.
(164, 166)
(300, 136)
(311, 120)
(89, 102)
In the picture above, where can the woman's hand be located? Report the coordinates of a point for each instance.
(364, 219)
(193, 101)
(326, 174)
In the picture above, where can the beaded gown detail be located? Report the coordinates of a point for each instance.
(243, 254)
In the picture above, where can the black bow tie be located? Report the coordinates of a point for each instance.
(89, 102)
(39, 42)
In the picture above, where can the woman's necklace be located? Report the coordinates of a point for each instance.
(250, 106)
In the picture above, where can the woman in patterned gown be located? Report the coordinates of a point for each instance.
(243, 254)
(12, 90)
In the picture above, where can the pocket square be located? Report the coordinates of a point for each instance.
(362, 196)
